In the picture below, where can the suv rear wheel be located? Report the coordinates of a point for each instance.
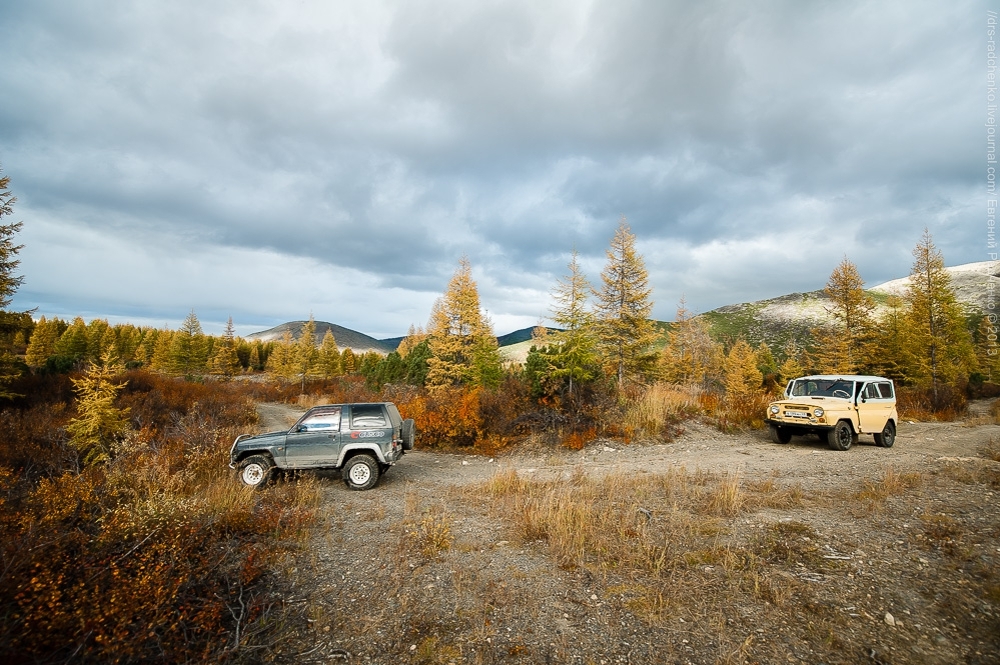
(888, 435)
(361, 472)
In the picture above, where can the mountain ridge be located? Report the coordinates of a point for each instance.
(773, 320)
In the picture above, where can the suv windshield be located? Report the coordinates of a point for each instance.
(823, 388)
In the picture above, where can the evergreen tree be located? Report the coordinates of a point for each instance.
(99, 424)
(845, 346)
(9, 281)
(329, 356)
(891, 353)
(413, 337)
(742, 376)
(349, 361)
(281, 360)
(305, 355)
(10, 322)
(225, 361)
(417, 363)
(72, 343)
(625, 332)
(256, 356)
(161, 360)
(941, 344)
(690, 356)
(463, 346)
(572, 356)
(189, 350)
(791, 367)
(42, 344)
(98, 341)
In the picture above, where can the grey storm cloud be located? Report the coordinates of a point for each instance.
(265, 160)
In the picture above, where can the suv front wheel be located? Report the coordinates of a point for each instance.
(256, 471)
(361, 472)
(841, 436)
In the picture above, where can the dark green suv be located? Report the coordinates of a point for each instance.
(362, 440)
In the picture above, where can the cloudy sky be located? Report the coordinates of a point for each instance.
(264, 160)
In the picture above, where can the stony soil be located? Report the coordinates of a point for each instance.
(912, 581)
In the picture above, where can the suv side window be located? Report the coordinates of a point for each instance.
(367, 415)
(884, 389)
(324, 419)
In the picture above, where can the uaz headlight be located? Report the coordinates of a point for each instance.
(818, 412)
(774, 409)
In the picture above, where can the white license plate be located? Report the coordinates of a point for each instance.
(796, 414)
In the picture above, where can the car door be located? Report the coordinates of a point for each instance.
(314, 441)
(875, 406)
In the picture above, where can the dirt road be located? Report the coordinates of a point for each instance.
(489, 594)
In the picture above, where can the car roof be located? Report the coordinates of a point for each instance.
(843, 377)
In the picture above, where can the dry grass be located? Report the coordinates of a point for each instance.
(991, 450)
(876, 491)
(655, 410)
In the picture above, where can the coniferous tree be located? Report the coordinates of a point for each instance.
(161, 360)
(189, 349)
(742, 377)
(97, 339)
(329, 356)
(225, 361)
(349, 361)
(42, 344)
(845, 346)
(10, 322)
(281, 360)
(416, 363)
(99, 424)
(573, 355)
(891, 353)
(690, 356)
(625, 332)
(306, 355)
(940, 342)
(414, 336)
(72, 344)
(463, 347)
(791, 367)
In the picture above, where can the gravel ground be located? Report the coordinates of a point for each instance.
(424, 568)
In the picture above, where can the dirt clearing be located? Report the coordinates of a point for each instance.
(714, 548)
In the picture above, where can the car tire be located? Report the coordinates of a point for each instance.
(256, 471)
(780, 434)
(841, 436)
(887, 437)
(408, 432)
(361, 472)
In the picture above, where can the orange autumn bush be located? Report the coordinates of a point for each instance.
(156, 555)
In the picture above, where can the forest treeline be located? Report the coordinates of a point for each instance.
(128, 540)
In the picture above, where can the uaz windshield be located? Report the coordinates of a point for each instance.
(823, 388)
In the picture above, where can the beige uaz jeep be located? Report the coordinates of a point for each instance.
(838, 408)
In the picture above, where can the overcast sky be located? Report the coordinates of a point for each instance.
(264, 160)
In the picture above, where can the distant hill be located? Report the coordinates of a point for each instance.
(346, 338)
(360, 342)
(792, 316)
